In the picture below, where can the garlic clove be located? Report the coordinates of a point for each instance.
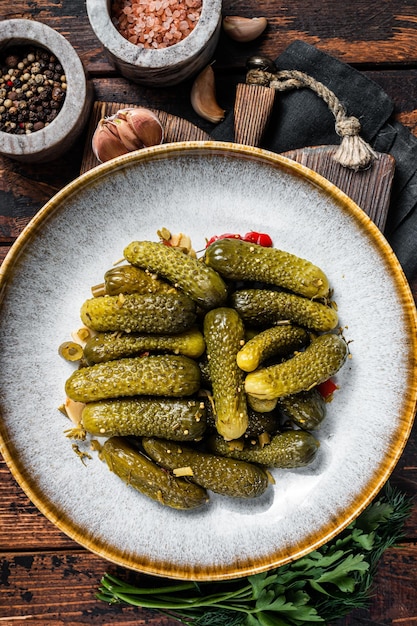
(129, 129)
(127, 135)
(203, 97)
(244, 28)
(105, 144)
(146, 125)
(110, 126)
(183, 242)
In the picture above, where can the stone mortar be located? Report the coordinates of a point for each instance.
(160, 67)
(56, 138)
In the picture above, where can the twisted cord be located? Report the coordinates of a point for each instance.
(354, 152)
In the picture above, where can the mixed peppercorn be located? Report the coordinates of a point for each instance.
(32, 89)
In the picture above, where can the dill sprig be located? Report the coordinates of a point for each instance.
(324, 585)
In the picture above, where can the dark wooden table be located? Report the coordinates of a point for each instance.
(46, 578)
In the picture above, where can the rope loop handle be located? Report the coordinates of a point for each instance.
(354, 152)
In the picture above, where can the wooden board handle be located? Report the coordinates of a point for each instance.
(252, 111)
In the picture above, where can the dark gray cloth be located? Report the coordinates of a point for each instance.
(301, 118)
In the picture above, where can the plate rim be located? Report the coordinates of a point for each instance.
(385, 468)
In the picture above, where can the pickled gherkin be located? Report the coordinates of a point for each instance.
(139, 472)
(260, 405)
(203, 373)
(228, 477)
(265, 307)
(286, 450)
(150, 313)
(178, 419)
(154, 375)
(259, 423)
(203, 364)
(240, 260)
(131, 279)
(109, 346)
(224, 335)
(319, 361)
(201, 283)
(276, 341)
(306, 409)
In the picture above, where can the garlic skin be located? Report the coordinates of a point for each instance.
(74, 410)
(127, 130)
(244, 28)
(203, 97)
(178, 240)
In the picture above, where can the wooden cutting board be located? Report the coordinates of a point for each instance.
(175, 129)
(370, 188)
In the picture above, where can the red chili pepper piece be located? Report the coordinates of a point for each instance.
(327, 388)
(265, 240)
(251, 237)
(261, 239)
(224, 236)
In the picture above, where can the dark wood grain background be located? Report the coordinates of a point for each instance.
(45, 578)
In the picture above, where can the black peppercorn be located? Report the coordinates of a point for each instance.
(57, 94)
(29, 99)
(11, 60)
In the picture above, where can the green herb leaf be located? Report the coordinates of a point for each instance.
(374, 515)
(365, 541)
(265, 620)
(259, 582)
(338, 576)
(214, 617)
(322, 586)
(266, 600)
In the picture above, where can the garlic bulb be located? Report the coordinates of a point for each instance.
(244, 28)
(129, 129)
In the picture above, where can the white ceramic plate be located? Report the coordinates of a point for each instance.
(203, 189)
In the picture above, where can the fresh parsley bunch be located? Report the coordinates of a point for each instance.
(322, 586)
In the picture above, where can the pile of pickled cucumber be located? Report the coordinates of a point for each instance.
(202, 373)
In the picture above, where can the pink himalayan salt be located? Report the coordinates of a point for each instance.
(155, 23)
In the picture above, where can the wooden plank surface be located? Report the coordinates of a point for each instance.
(369, 188)
(68, 596)
(45, 578)
(25, 188)
(359, 31)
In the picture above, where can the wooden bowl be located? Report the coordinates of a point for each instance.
(54, 139)
(164, 66)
